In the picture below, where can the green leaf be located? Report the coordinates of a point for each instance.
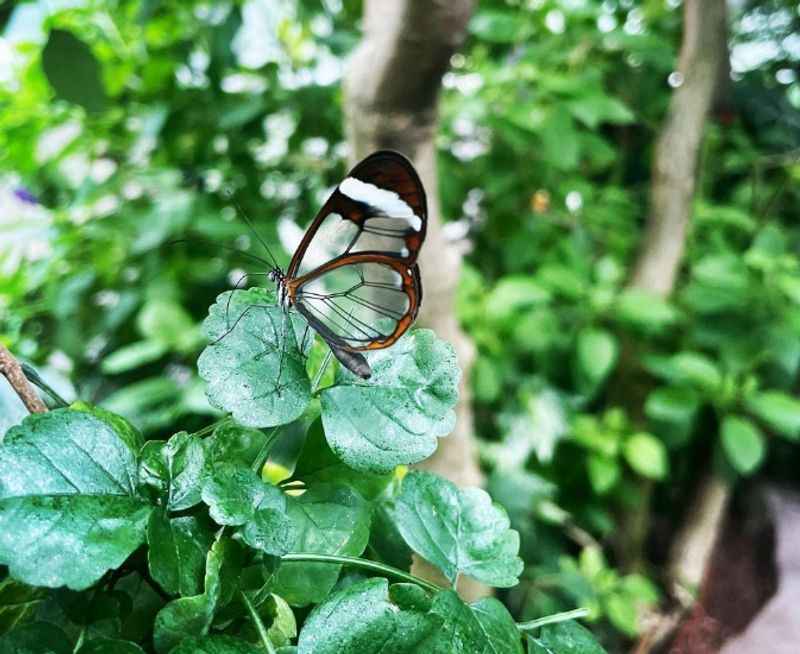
(645, 311)
(35, 638)
(695, 369)
(565, 638)
(71, 475)
(385, 539)
(318, 464)
(778, 410)
(216, 645)
(177, 552)
(233, 443)
(743, 443)
(18, 603)
(496, 26)
(672, 404)
(367, 618)
(327, 520)
(397, 415)
(646, 455)
(194, 615)
(484, 627)
(603, 472)
(176, 468)
(109, 646)
(596, 354)
(561, 145)
(168, 323)
(73, 71)
(460, 531)
(512, 294)
(254, 367)
(132, 356)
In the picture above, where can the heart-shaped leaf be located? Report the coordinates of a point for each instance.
(460, 531)
(69, 508)
(255, 366)
(397, 415)
(177, 468)
(365, 618)
(564, 638)
(177, 552)
(327, 520)
(216, 645)
(193, 615)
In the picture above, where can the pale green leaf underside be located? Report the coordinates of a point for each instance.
(458, 530)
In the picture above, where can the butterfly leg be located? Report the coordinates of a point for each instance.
(236, 288)
(238, 320)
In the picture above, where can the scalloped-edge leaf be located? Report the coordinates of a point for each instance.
(460, 531)
(395, 417)
(254, 365)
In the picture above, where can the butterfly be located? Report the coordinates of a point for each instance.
(354, 277)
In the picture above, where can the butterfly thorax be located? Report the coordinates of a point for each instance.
(279, 278)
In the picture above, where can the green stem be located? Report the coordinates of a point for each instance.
(79, 642)
(321, 371)
(364, 564)
(262, 630)
(35, 378)
(263, 453)
(552, 619)
(209, 428)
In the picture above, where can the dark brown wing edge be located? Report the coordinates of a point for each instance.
(373, 169)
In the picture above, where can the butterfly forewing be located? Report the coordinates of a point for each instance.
(354, 275)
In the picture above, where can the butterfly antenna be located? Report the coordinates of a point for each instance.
(228, 248)
(252, 227)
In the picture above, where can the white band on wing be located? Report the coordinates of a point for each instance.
(388, 203)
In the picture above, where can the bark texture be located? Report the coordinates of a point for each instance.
(703, 60)
(12, 371)
(391, 94)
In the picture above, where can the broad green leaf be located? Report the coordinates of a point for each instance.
(778, 410)
(238, 496)
(176, 468)
(743, 443)
(234, 443)
(484, 627)
(513, 294)
(18, 603)
(327, 520)
(397, 415)
(282, 624)
(565, 638)
(366, 618)
(194, 615)
(132, 356)
(253, 366)
(460, 531)
(177, 550)
(318, 464)
(109, 646)
(73, 71)
(35, 638)
(695, 369)
(646, 455)
(497, 26)
(168, 323)
(672, 404)
(385, 539)
(70, 475)
(561, 144)
(596, 354)
(645, 311)
(215, 645)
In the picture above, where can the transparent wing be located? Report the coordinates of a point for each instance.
(360, 302)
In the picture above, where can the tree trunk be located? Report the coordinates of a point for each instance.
(391, 93)
(702, 62)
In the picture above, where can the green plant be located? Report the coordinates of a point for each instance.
(184, 545)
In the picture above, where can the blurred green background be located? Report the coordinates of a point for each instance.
(126, 125)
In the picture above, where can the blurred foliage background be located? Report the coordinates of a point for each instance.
(128, 125)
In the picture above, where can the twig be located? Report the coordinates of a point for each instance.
(36, 379)
(12, 371)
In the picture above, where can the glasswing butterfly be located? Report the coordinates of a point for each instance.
(354, 276)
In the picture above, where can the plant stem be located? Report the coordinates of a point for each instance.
(364, 564)
(263, 453)
(262, 630)
(321, 371)
(552, 619)
(209, 428)
(36, 379)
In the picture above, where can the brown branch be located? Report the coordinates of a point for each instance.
(12, 371)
